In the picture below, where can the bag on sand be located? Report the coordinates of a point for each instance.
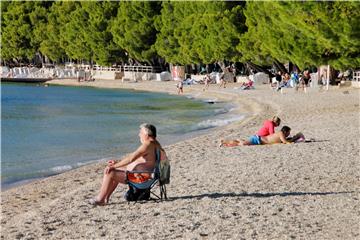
(164, 171)
(134, 194)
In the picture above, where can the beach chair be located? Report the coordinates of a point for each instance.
(144, 190)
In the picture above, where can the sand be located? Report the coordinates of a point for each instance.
(292, 191)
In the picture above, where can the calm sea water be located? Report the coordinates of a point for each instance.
(48, 130)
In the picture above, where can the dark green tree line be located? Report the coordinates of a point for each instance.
(105, 32)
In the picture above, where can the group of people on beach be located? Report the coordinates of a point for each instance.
(206, 81)
(296, 80)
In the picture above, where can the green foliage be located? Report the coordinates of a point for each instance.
(305, 33)
(97, 33)
(54, 43)
(22, 24)
(166, 43)
(74, 34)
(81, 30)
(134, 31)
(193, 32)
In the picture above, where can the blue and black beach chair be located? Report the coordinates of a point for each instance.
(144, 190)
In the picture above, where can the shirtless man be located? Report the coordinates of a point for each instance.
(143, 159)
(278, 137)
(179, 87)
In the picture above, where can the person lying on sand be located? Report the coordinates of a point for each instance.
(143, 159)
(269, 127)
(278, 137)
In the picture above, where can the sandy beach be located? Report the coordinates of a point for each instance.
(283, 191)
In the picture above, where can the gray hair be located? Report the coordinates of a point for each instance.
(149, 129)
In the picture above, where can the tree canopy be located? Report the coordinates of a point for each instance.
(22, 24)
(134, 31)
(107, 32)
(305, 33)
(193, 32)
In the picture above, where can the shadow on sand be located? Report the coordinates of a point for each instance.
(257, 195)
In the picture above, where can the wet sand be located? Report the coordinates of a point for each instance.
(293, 191)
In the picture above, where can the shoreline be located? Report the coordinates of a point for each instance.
(305, 190)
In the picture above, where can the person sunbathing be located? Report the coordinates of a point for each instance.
(278, 137)
(143, 159)
(269, 127)
(247, 85)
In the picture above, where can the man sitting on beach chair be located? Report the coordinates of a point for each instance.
(278, 137)
(143, 159)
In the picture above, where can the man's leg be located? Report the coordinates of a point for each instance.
(234, 143)
(112, 188)
(245, 143)
(109, 183)
(229, 143)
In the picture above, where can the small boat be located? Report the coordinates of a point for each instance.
(25, 80)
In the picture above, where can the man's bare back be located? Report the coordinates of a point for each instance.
(278, 137)
(146, 160)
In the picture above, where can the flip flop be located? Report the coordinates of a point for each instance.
(96, 203)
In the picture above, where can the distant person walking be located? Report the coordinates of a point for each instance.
(180, 87)
(222, 82)
(305, 80)
(278, 78)
(206, 82)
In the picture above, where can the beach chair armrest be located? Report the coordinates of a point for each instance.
(127, 172)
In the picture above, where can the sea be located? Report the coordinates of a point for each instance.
(47, 130)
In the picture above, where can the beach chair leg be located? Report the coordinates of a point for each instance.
(163, 190)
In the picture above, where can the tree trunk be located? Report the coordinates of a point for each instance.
(258, 68)
(222, 65)
(280, 67)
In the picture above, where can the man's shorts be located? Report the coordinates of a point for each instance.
(255, 140)
(138, 177)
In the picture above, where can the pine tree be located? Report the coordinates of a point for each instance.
(97, 33)
(305, 33)
(54, 43)
(194, 32)
(21, 26)
(133, 29)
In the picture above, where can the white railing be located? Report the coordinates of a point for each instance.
(101, 68)
(139, 68)
(356, 76)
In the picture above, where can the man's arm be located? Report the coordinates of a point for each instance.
(141, 151)
(283, 138)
